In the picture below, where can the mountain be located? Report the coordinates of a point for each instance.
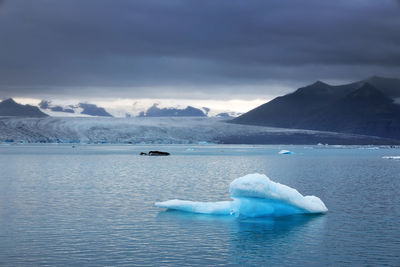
(364, 111)
(189, 111)
(93, 110)
(45, 104)
(138, 109)
(389, 86)
(73, 110)
(359, 108)
(286, 111)
(9, 107)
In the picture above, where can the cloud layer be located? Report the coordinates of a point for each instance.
(189, 48)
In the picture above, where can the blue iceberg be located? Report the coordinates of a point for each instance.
(285, 152)
(254, 195)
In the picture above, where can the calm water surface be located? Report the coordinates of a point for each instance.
(94, 205)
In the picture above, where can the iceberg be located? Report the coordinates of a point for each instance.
(391, 157)
(286, 152)
(254, 195)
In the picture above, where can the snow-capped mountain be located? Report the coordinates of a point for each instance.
(81, 109)
(128, 110)
(189, 111)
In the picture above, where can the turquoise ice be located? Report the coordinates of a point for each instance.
(254, 195)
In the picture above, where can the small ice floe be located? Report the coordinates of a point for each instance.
(286, 152)
(320, 144)
(391, 157)
(203, 143)
(253, 195)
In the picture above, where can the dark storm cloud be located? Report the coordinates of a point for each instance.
(189, 47)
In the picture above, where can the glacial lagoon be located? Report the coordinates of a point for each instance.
(95, 205)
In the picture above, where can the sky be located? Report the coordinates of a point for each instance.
(225, 54)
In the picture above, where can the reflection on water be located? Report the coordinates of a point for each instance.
(251, 240)
(254, 240)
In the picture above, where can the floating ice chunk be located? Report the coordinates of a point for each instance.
(217, 208)
(260, 186)
(391, 157)
(254, 195)
(320, 144)
(203, 143)
(286, 152)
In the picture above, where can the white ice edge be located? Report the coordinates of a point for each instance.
(285, 152)
(391, 157)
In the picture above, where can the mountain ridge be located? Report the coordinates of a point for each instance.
(189, 111)
(358, 108)
(9, 107)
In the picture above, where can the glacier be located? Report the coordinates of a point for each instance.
(254, 195)
(164, 130)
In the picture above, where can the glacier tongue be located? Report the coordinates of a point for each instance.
(254, 195)
(154, 130)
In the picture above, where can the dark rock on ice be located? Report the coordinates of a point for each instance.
(154, 153)
(158, 153)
